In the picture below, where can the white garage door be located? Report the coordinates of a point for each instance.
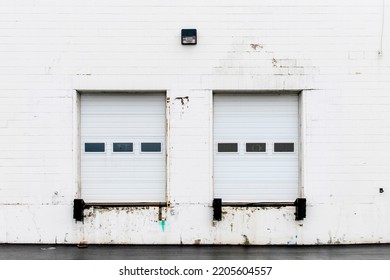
(256, 147)
(123, 147)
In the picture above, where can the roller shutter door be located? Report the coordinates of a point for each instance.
(256, 147)
(123, 147)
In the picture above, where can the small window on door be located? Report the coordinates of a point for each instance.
(123, 147)
(227, 147)
(284, 147)
(255, 147)
(94, 147)
(150, 147)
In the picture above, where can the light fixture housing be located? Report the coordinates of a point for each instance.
(188, 37)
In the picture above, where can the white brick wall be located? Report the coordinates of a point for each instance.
(329, 49)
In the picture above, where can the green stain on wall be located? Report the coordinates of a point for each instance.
(163, 225)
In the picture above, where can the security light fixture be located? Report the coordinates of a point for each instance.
(188, 37)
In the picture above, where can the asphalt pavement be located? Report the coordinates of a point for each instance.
(200, 252)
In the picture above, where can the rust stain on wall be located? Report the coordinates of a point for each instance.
(184, 100)
(197, 242)
(246, 240)
(256, 46)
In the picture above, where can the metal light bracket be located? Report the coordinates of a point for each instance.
(189, 37)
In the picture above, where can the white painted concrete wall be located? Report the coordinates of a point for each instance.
(327, 48)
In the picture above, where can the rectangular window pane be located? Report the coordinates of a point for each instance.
(123, 147)
(255, 147)
(227, 147)
(283, 147)
(94, 147)
(150, 147)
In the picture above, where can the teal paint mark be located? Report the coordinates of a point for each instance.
(163, 225)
